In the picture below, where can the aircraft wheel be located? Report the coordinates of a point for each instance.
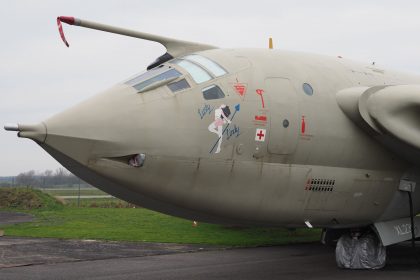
(360, 251)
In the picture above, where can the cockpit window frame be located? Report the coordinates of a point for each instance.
(213, 92)
(160, 74)
(212, 67)
(147, 74)
(198, 73)
(193, 67)
(187, 59)
(179, 85)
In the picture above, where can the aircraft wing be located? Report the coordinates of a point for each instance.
(391, 114)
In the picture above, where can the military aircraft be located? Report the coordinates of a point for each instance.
(253, 137)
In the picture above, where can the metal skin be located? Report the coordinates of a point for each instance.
(315, 163)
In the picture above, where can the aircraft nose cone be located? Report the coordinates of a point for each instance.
(94, 128)
(36, 132)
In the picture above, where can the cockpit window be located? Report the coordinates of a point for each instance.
(155, 76)
(200, 68)
(198, 74)
(213, 92)
(178, 85)
(146, 75)
(167, 76)
(210, 65)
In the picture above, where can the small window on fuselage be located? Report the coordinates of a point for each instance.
(213, 92)
(307, 88)
(179, 85)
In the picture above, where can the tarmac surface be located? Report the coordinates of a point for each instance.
(7, 218)
(35, 258)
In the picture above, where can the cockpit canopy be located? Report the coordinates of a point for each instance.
(200, 68)
(160, 74)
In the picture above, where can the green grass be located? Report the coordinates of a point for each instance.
(145, 225)
(111, 202)
(130, 224)
(74, 191)
(26, 198)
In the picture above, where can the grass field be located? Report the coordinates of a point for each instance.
(98, 203)
(138, 224)
(73, 191)
(144, 225)
(110, 202)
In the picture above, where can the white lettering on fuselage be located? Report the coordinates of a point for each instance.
(404, 229)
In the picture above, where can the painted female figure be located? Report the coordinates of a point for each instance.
(221, 115)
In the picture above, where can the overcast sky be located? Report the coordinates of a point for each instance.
(39, 76)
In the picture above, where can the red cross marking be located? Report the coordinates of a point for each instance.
(260, 134)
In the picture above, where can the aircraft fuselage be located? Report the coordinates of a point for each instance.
(288, 155)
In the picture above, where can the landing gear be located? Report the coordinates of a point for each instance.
(358, 250)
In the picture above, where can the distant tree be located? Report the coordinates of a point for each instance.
(61, 172)
(73, 179)
(48, 173)
(59, 176)
(27, 179)
(48, 178)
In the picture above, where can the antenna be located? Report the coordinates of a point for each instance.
(174, 47)
(270, 43)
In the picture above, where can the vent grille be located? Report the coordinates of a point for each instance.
(320, 185)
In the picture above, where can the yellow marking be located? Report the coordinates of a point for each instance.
(270, 43)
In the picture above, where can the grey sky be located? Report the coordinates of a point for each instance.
(39, 76)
